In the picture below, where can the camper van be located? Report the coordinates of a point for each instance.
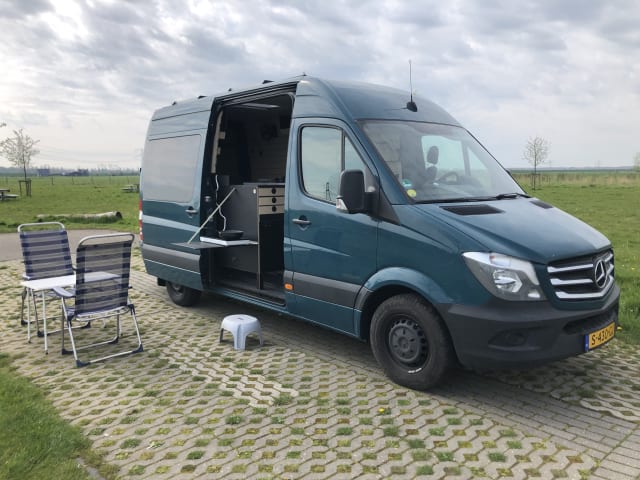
(373, 213)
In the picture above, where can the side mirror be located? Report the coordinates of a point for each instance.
(351, 197)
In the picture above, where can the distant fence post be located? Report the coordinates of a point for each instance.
(535, 179)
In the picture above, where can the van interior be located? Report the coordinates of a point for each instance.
(245, 184)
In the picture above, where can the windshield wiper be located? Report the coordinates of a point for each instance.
(503, 196)
(458, 200)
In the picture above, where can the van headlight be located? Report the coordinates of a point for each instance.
(505, 277)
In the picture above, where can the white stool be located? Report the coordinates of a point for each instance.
(240, 326)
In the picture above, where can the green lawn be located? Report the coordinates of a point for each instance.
(35, 442)
(70, 195)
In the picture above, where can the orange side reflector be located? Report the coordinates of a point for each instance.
(288, 286)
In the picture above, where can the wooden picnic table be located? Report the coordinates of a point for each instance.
(4, 193)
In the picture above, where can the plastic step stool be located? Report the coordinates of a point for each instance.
(240, 326)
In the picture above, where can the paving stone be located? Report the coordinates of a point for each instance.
(557, 432)
(610, 442)
(630, 461)
(311, 403)
(596, 446)
(603, 474)
(630, 450)
(619, 468)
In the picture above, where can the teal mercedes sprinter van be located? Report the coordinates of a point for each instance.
(361, 209)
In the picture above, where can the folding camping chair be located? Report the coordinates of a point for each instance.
(101, 291)
(46, 254)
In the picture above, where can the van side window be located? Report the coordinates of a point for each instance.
(325, 152)
(175, 160)
(352, 160)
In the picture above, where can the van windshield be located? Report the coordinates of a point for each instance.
(439, 163)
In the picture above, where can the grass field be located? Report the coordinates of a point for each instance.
(35, 442)
(71, 195)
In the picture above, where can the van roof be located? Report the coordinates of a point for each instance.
(316, 97)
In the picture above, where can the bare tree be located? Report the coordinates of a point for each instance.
(536, 152)
(19, 149)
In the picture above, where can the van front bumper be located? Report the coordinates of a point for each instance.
(505, 334)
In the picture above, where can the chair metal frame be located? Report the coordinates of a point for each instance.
(46, 254)
(103, 264)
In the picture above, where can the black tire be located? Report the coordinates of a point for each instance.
(410, 343)
(181, 295)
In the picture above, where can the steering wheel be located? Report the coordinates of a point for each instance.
(455, 179)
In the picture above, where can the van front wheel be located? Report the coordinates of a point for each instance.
(410, 343)
(181, 295)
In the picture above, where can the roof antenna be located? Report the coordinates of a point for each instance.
(411, 105)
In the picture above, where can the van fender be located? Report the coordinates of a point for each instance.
(387, 282)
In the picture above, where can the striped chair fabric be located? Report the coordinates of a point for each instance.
(46, 254)
(103, 265)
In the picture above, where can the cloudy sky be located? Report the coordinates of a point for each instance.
(84, 77)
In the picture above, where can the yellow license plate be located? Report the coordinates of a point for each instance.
(599, 337)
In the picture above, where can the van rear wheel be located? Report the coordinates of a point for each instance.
(181, 295)
(410, 342)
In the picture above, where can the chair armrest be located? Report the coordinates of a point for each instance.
(61, 292)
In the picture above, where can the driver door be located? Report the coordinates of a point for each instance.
(332, 253)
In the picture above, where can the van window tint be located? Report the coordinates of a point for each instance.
(325, 153)
(172, 177)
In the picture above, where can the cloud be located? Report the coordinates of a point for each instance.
(18, 10)
(504, 68)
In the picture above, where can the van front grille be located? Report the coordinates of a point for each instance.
(584, 278)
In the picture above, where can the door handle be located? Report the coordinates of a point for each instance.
(191, 211)
(301, 221)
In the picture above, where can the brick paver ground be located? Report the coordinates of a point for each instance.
(314, 404)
